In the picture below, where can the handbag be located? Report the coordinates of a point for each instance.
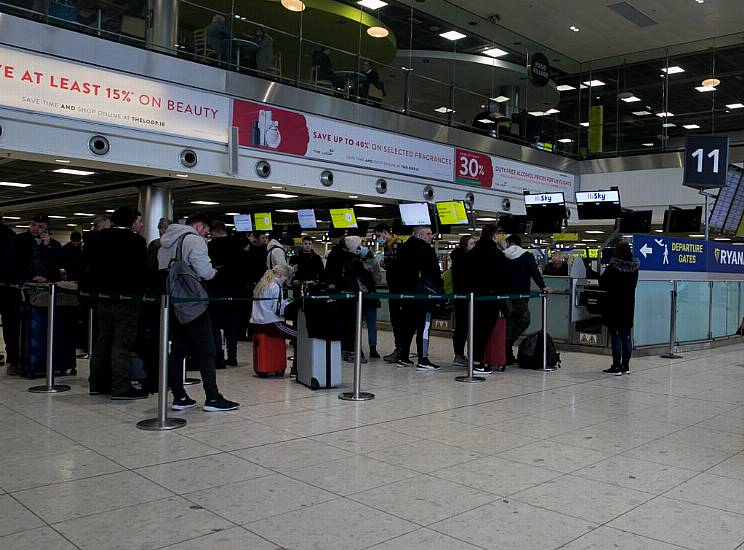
(425, 286)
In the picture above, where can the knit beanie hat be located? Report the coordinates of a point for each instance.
(352, 243)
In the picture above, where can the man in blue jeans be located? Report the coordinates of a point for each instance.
(191, 239)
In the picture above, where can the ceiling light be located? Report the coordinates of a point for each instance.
(690, 126)
(705, 88)
(647, 144)
(378, 32)
(552, 111)
(565, 140)
(711, 82)
(594, 83)
(12, 217)
(72, 172)
(658, 230)
(287, 211)
(62, 161)
(443, 110)
(641, 113)
(452, 35)
(485, 121)
(536, 113)
(735, 105)
(664, 114)
(722, 239)
(22, 226)
(368, 205)
(232, 213)
(293, 5)
(110, 211)
(229, 225)
(697, 236)
(574, 28)
(276, 186)
(565, 88)
(495, 52)
(589, 240)
(594, 232)
(372, 4)
(57, 217)
(584, 124)
(631, 99)
(72, 225)
(500, 99)
(84, 214)
(182, 175)
(485, 219)
(366, 219)
(353, 196)
(14, 184)
(700, 1)
(205, 203)
(282, 195)
(672, 70)
(668, 125)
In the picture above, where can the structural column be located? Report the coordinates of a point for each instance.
(155, 202)
(163, 32)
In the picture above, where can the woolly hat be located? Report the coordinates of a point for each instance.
(352, 243)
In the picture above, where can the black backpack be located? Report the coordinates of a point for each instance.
(529, 355)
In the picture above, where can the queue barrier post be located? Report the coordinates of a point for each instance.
(357, 394)
(673, 325)
(471, 331)
(545, 367)
(162, 422)
(89, 340)
(50, 386)
(188, 381)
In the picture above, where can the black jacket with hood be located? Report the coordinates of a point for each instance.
(484, 269)
(416, 256)
(619, 282)
(522, 267)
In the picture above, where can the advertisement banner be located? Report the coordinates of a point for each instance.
(670, 254)
(725, 258)
(283, 131)
(47, 85)
(473, 168)
(596, 127)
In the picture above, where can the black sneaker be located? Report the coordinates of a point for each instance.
(614, 371)
(98, 391)
(293, 372)
(373, 353)
(483, 369)
(404, 363)
(231, 362)
(130, 395)
(425, 364)
(392, 357)
(182, 403)
(511, 360)
(625, 370)
(220, 405)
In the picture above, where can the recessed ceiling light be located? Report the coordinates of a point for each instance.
(84, 214)
(594, 83)
(664, 114)
(486, 121)
(232, 213)
(641, 113)
(594, 232)
(647, 144)
(372, 4)
(536, 113)
(287, 211)
(631, 99)
(574, 28)
(443, 110)
(722, 239)
(62, 161)
(735, 106)
(690, 126)
(182, 175)
(22, 226)
(294, 5)
(229, 225)
(705, 88)
(589, 240)
(14, 184)
(697, 236)
(668, 125)
(452, 35)
(500, 99)
(378, 32)
(110, 211)
(552, 111)
(368, 205)
(495, 52)
(712, 81)
(700, 1)
(282, 195)
(353, 196)
(672, 70)
(57, 217)
(72, 172)
(71, 225)
(565, 140)
(584, 124)
(12, 217)
(366, 219)
(565, 88)
(658, 230)
(485, 219)
(205, 203)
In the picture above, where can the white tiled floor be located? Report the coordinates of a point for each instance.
(572, 459)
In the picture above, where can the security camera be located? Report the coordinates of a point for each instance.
(263, 169)
(470, 198)
(188, 158)
(99, 145)
(495, 18)
(428, 193)
(326, 178)
(382, 186)
(506, 205)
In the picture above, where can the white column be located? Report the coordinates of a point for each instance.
(154, 202)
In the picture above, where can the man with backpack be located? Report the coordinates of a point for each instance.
(184, 254)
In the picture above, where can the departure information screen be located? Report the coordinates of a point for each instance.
(729, 208)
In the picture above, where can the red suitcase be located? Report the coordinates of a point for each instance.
(495, 352)
(269, 355)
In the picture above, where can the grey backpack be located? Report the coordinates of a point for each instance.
(183, 282)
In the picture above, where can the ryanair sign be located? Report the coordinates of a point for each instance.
(726, 259)
(672, 254)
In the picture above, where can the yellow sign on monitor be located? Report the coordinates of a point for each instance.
(565, 236)
(580, 252)
(452, 213)
(343, 218)
(263, 221)
(594, 253)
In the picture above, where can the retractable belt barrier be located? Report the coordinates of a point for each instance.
(162, 422)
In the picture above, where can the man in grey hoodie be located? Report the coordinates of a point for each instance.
(191, 238)
(521, 267)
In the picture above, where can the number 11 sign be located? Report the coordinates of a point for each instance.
(706, 161)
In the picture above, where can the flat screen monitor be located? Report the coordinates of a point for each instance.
(452, 213)
(243, 223)
(636, 221)
(546, 211)
(307, 218)
(263, 221)
(343, 218)
(509, 223)
(547, 225)
(677, 220)
(729, 207)
(598, 205)
(415, 213)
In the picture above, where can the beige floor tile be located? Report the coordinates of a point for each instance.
(485, 441)
(732, 467)
(640, 475)
(601, 440)
(365, 439)
(241, 435)
(554, 455)
(711, 490)
(294, 454)
(16, 517)
(158, 450)
(425, 456)
(606, 537)
(681, 456)
(236, 538)
(424, 539)
(42, 538)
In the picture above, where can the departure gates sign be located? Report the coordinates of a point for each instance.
(672, 254)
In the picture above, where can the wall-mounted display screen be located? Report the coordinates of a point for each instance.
(546, 211)
(263, 221)
(243, 223)
(729, 208)
(452, 213)
(677, 220)
(598, 205)
(416, 213)
(307, 219)
(343, 218)
(636, 221)
(544, 199)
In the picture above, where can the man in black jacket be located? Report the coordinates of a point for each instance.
(32, 257)
(390, 243)
(418, 267)
(6, 296)
(117, 265)
(522, 267)
(308, 264)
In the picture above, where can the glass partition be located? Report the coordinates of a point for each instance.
(559, 309)
(653, 310)
(693, 307)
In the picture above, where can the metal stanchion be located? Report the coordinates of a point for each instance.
(50, 387)
(471, 331)
(357, 394)
(162, 422)
(673, 325)
(187, 381)
(89, 345)
(545, 366)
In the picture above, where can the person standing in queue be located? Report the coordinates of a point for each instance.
(307, 264)
(419, 269)
(390, 244)
(619, 282)
(557, 266)
(459, 286)
(522, 267)
(190, 240)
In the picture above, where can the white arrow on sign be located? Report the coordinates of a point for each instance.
(646, 250)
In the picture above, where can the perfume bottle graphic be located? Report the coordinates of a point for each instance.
(272, 137)
(256, 134)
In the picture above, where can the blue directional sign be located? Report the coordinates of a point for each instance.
(670, 254)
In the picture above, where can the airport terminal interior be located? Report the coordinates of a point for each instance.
(464, 274)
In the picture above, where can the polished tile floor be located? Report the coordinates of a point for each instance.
(572, 459)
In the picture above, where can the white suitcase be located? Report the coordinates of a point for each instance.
(318, 361)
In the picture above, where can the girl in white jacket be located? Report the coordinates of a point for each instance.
(268, 308)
